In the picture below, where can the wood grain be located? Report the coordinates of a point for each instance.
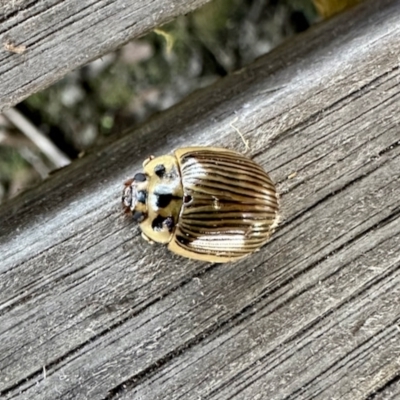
(61, 35)
(88, 310)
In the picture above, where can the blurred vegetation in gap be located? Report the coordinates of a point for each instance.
(148, 75)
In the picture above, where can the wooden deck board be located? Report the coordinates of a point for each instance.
(60, 36)
(89, 310)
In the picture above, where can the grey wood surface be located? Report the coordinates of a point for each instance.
(57, 36)
(88, 310)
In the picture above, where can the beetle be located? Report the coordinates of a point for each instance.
(205, 203)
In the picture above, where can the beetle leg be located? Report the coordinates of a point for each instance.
(147, 239)
(147, 160)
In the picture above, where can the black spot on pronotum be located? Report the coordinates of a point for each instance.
(138, 216)
(139, 177)
(141, 196)
(159, 170)
(163, 200)
(159, 223)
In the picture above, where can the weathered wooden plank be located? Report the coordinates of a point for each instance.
(318, 337)
(87, 310)
(60, 36)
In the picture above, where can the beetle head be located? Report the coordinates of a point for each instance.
(134, 196)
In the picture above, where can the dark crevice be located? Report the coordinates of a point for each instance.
(386, 385)
(389, 148)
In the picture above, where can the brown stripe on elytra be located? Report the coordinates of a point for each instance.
(233, 229)
(220, 205)
(240, 178)
(218, 159)
(249, 235)
(199, 199)
(247, 219)
(221, 192)
(220, 156)
(230, 173)
(237, 180)
(224, 203)
(260, 234)
(239, 186)
(216, 223)
(237, 211)
(219, 164)
(240, 164)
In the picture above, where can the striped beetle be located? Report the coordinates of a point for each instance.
(206, 203)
